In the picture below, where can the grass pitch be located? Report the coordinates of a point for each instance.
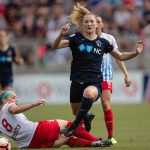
(132, 124)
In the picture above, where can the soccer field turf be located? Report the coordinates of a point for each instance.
(132, 124)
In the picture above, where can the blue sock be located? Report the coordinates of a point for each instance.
(84, 108)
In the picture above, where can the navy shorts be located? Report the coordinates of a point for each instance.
(6, 81)
(77, 89)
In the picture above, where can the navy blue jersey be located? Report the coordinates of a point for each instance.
(87, 57)
(6, 60)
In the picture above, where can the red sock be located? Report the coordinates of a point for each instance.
(83, 134)
(77, 142)
(109, 121)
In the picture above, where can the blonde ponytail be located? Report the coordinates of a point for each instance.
(79, 11)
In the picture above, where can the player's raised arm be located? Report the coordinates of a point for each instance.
(128, 55)
(16, 109)
(59, 42)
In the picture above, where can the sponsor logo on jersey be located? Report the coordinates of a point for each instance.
(5, 59)
(89, 49)
(97, 51)
(2, 59)
(16, 131)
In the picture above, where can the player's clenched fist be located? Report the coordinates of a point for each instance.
(139, 47)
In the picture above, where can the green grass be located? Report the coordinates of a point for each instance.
(132, 124)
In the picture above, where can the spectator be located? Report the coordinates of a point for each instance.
(42, 19)
(57, 19)
(26, 49)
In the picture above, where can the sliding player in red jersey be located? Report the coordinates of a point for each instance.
(42, 134)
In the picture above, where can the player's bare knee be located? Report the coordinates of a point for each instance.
(105, 105)
(105, 101)
(90, 92)
(62, 124)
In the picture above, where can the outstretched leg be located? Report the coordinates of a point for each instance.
(77, 142)
(90, 94)
(81, 138)
(87, 120)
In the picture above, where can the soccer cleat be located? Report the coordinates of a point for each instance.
(70, 131)
(112, 140)
(101, 143)
(87, 122)
(62, 131)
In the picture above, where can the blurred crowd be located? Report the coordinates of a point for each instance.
(34, 24)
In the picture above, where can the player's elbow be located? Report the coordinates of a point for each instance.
(54, 46)
(120, 57)
(123, 57)
(13, 111)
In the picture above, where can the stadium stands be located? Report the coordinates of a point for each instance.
(33, 25)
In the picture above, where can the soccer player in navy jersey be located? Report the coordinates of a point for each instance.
(107, 73)
(87, 52)
(8, 55)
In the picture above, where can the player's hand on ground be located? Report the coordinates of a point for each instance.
(65, 29)
(139, 47)
(128, 81)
